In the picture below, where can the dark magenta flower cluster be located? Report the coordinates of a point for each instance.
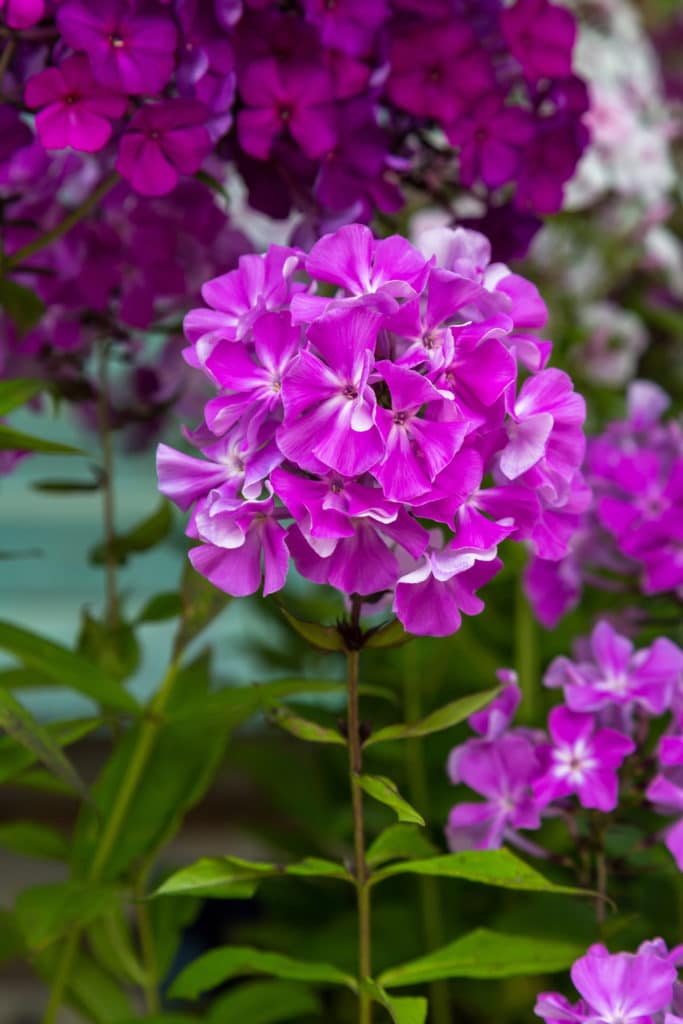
(384, 419)
(631, 536)
(321, 105)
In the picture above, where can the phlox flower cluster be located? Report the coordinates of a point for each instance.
(611, 692)
(317, 104)
(384, 418)
(632, 534)
(628, 988)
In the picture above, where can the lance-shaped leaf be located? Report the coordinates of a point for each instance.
(243, 701)
(322, 638)
(443, 718)
(18, 441)
(226, 962)
(33, 840)
(45, 912)
(222, 877)
(109, 939)
(386, 792)
(65, 667)
(19, 723)
(391, 634)
(14, 393)
(265, 1002)
(141, 537)
(161, 607)
(402, 1010)
(400, 842)
(15, 758)
(20, 304)
(304, 728)
(91, 989)
(486, 954)
(489, 867)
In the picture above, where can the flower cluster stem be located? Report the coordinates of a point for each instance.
(108, 499)
(111, 832)
(361, 869)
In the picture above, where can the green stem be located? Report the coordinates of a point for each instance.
(430, 898)
(147, 948)
(361, 869)
(110, 834)
(76, 215)
(526, 655)
(108, 501)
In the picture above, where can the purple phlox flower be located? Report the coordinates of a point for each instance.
(237, 299)
(665, 792)
(330, 408)
(294, 98)
(491, 722)
(528, 312)
(128, 51)
(14, 133)
(582, 759)
(554, 587)
(489, 136)
(163, 141)
(242, 542)
(646, 403)
(616, 675)
(416, 448)
(548, 162)
(430, 598)
(541, 36)
(545, 434)
(251, 381)
(383, 269)
(623, 987)
(435, 69)
(481, 371)
(205, 68)
(76, 109)
(347, 25)
(500, 769)
(21, 14)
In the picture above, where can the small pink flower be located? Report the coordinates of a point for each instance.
(162, 142)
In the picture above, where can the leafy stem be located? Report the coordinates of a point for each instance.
(108, 501)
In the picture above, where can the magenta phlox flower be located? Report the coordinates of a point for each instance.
(631, 987)
(489, 137)
(242, 543)
(645, 679)
(416, 449)
(76, 109)
(251, 381)
(347, 25)
(163, 141)
(480, 372)
(330, 408)
(556, 1009)
(541, 36)
(500, 769)
(493, 720)
(128, 51)
(292, 98)
(237, 299)
(665, 792)
(429, 599)
(15, 134)
(21, 14)
(582, 759)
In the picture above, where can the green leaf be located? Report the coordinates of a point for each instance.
(443, 718)
(141, 537)
(20, 724)
(23, 679)
(65, 667)
(486, 954)
(109, 939)
(304, 729)
(399, 842)
(15, 759)
(14, 393)
(114, 649)
(201, 603)
(410, 1010)
(226, 962)
(265, 1002)
(386, 791)
(91, 989)
(391, 634)
(11, 940)
(33, 840)
(58, 486)
(17, 441)
(20, 304)
(161, 607)
(490, 867)
(45, 912)
(239, 702)
(235, 878)
(322, 638)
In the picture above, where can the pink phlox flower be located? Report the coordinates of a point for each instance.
(489, 136)
(293, 98)
(541, 36)
(330, 407)
(76, 109)
(128, 51)
(645, 679)
(582, 759)
(163, 141)
(623, 987)
(242, 543)
(502, 770)
(21, 14)
(493, 720)
(347, 25)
